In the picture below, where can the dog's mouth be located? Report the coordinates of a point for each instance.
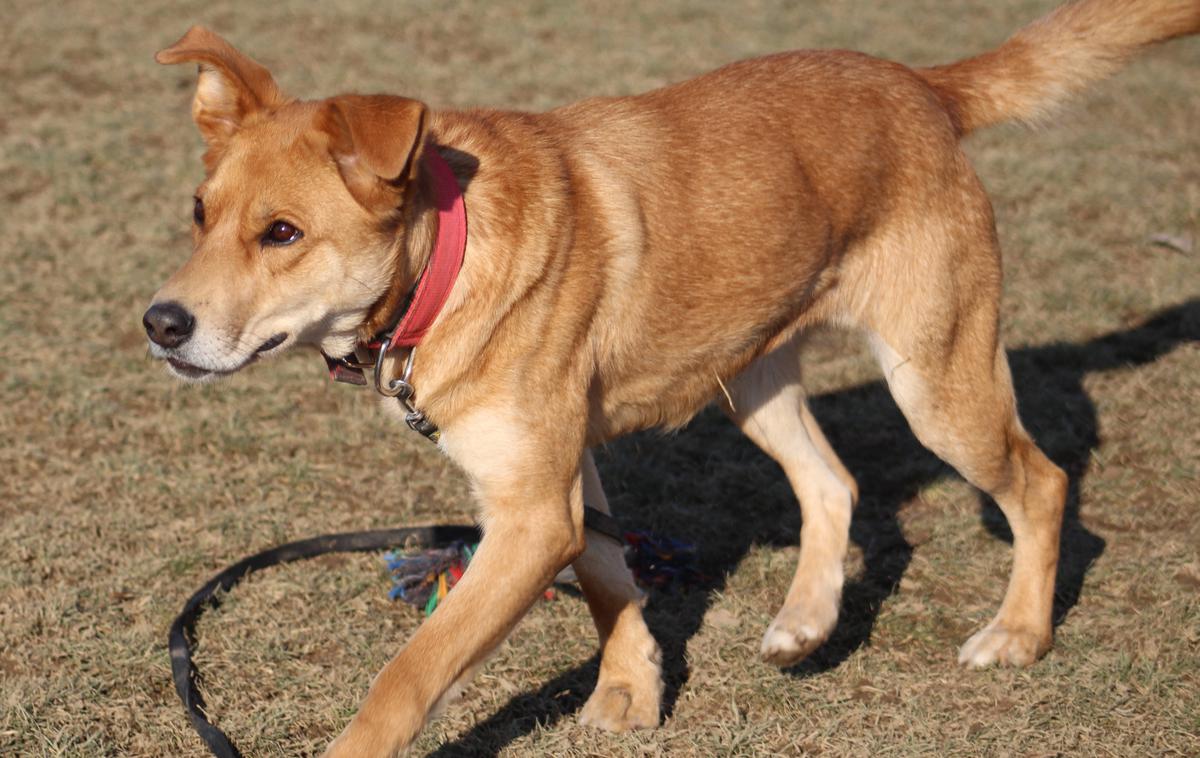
(271, 344)
(193, 372)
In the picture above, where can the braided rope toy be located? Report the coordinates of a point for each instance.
(422, 577)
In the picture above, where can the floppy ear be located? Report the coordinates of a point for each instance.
(377, 142)
(230, 88)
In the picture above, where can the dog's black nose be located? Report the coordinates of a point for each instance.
(168, 324)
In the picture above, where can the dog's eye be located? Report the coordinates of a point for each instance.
(281, 233)
(198, 212)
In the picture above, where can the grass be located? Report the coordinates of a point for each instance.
(122, 491)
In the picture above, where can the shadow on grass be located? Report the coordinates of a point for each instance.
(686, 486)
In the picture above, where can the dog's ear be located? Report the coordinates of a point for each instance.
(230, 88)
(377, 142)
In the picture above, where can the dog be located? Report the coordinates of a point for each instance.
(617, 264)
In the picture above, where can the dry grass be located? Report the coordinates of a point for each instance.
(122, 491)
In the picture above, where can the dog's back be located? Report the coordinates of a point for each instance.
(799, 187)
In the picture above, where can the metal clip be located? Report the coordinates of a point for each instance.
(400, 388)
(418, 422)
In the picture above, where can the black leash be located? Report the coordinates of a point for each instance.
(181, 637)
(182, 634)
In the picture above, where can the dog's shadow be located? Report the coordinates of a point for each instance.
(711, 486)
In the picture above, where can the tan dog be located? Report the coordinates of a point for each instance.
(626, 258)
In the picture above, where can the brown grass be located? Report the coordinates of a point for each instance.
(122, 491)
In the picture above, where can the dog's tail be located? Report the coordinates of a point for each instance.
(1055, 57)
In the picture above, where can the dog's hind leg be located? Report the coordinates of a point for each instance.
(769, 407)
(629, 691)
(940, 353)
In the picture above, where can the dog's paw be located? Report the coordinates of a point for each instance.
(619, 708)
(798, 631)
(783, 645)
(997, 644)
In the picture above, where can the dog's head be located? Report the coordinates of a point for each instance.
(299, 223)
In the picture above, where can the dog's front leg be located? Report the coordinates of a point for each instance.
(532, 512)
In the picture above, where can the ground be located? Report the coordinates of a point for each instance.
(123, 491)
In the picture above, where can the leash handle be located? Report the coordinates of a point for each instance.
(181, 636)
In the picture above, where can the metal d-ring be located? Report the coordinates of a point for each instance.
(394, 387)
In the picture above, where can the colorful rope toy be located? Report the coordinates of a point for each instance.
(661, 562)
(423, 577)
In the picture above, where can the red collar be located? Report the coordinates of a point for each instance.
(444, 263)
(433, 288)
